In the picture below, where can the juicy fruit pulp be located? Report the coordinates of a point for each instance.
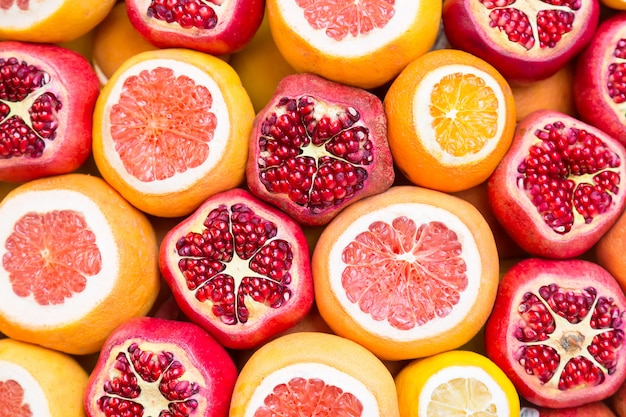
(47, 96)
(239, 268)
(562, 326)
(564, 179)
(318, 146)
(156, 367)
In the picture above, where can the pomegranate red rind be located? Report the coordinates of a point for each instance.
(526, 41)
(155, 367)
(240, 268)
(318, 146)
(599, 88)
(557, 331)
(48, 94)
(215, 27)
(559, 188)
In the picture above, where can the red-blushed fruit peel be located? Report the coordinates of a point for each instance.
(557, 331)
(240, 268)
(318, 146)
(47, 97)
(215, 27)
(593, 409)
(599, 87)
(560, 186)
(526, 41)
(155, 367)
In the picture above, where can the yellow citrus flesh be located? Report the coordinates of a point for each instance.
(51, 21)
(408, 273)
(77, 260)
(171, 128)
(36, 381)
(314, 374)
(456, 384)
(364, 45)
(451, 118)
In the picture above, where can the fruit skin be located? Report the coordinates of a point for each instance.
(617, 402)
(70, 21)
(264, 322)
(315, 347)
(591, 93)
(380, 171)
(502, 345)
(228, 174)
(368, 70)
(138, 270)
(467, 27)
(61, 378)
(210, 364)
(610, 249)
(520, 217)
(237, 23)
(74, 82)
(593, 409)
(345, 324)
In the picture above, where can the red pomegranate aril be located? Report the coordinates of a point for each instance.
(240, 268)
(557, 331)
(318, 146)
(559, 187)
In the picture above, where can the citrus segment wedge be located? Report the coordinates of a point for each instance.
(76, 260)
(313, 374)
(451, 119)
(364, 44)
(456, 383)
(171, 128)
(407, 273)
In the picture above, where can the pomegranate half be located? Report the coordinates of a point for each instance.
(560, 186)
(47, 97)
(557, 330)
(240, 268)
(525, 40)
(155, 367)
(318, 146)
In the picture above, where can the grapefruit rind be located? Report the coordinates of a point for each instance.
(14, 18)
(350, 46)
(421, 214)
(34, 396)
(469, 373)
(217, 144)
(423, 120)
(309, 370)
(27, 312)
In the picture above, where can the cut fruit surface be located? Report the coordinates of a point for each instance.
(313, 374)
(50, 21)
(77, 260)
(407, 273)
(455, 383)
(364, 44)
(37, 381)
(171, 128)
(451, 118)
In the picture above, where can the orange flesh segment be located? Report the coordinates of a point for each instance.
(390, 265)
(309, 397)
(11, 400)
(162, 124)
(50, 256)
(341, 19)
(465, 113)
(462, 397)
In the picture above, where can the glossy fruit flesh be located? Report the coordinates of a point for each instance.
(563, 331)
(187, 13)
(312, 155)
(239, 268)
(569, 172)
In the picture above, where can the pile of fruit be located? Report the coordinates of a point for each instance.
(307, 208)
